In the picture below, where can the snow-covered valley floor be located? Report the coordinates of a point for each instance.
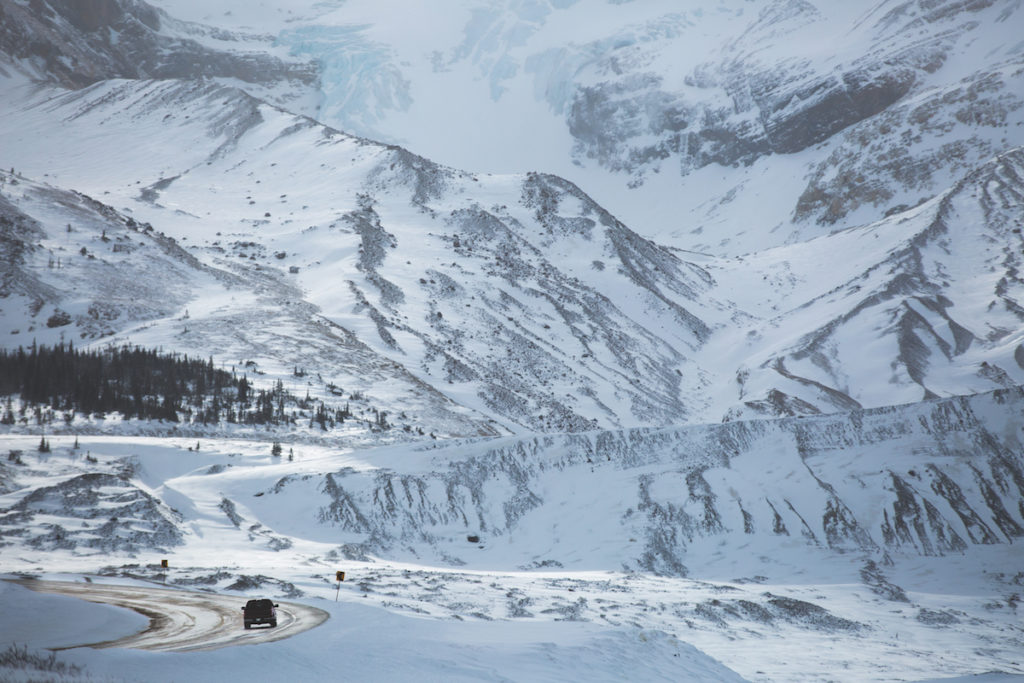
(768, 609)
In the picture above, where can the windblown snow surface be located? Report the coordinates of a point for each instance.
(734, 396)
(877, 545)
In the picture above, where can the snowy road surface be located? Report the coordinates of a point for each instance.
(185, 621)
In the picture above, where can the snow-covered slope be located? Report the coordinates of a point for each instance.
(517, 297)
(934, 478)
(684, 118)
(924, 303)
(76, 270)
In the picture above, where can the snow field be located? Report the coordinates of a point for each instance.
(553, 585)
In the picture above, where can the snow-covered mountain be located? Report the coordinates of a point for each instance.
(749, 306)
(75, 44)
(684, 118)
(923, 303)
(78, 271)
(517, 297)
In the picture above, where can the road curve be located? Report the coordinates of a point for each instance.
(184, 621)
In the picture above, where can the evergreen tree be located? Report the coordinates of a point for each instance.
(149, 385)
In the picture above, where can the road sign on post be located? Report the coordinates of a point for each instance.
(340, 576)
(163, 563)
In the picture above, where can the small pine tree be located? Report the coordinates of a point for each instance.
(275, 450)
(44, 445)
(291, 455)
(76, 442)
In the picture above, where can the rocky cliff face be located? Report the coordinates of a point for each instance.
(885, 104)
(549, 338)
(75, 44)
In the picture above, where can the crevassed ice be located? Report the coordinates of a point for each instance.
(360, 82)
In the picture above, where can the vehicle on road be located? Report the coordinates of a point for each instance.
(261, 611)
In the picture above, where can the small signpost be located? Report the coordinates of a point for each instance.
(340, 576)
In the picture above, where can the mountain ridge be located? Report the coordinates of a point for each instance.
(649, 312)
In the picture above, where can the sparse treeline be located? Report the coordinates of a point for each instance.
(144, 384)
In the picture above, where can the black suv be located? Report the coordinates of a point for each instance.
(259, 612)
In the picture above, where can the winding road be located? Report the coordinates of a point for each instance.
(184, 621)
